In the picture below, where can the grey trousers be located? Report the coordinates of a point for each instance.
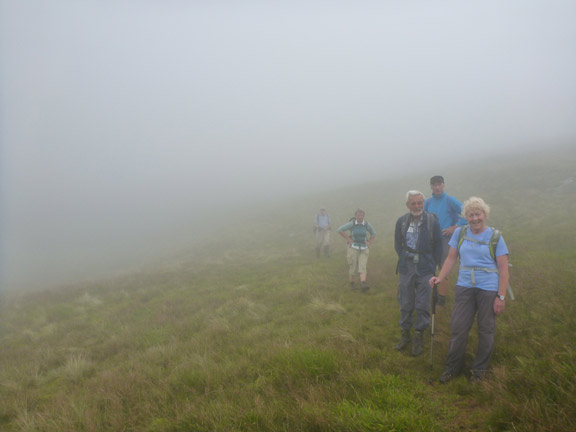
(470, 302)
(414, 294)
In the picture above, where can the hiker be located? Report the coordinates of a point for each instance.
(480, 290)
(322, 231)
(418, 243)
(358, 243)
(448, 209)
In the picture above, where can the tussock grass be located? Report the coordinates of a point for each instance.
(254, 333)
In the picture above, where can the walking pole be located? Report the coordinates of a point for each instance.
(511, 293)
(433, 310)
(509, 289)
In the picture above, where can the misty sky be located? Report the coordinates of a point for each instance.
(119, 118)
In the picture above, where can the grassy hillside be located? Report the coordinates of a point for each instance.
(252, 332)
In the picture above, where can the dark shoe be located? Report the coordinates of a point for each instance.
(476, 376)
(404, 342)
(365, 287)
(475, 380)
(327, 251)
(352, 286)
(446, 376)
(417, 346)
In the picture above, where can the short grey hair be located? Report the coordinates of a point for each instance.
(475, 203)
(412, 193)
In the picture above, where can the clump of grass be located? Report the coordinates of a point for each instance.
(323, 306)
(345, 335)
(77, 367)
(88, 300)
(296, 365)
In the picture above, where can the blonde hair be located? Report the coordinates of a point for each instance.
(475, 203)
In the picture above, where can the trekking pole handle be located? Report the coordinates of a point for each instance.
(434, 297)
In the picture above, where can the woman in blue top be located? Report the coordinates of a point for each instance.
(358, 234)
(480, 289)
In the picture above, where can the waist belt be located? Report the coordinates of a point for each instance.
(475, 269)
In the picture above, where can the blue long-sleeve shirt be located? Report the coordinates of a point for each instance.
(322, 220)
(447, 208)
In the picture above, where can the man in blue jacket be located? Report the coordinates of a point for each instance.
(418, 243)
(449, 212)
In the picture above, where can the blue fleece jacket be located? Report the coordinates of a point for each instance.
(447, 208)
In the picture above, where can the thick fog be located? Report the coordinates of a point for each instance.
(122, 121)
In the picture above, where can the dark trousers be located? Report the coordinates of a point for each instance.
(471, 302)
(414, 294)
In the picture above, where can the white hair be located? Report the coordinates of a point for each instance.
(412, 193)
(475, 203)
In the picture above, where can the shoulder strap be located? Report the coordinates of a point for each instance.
(461, 236)
(493, 242)
(404, 227)
(494, 238)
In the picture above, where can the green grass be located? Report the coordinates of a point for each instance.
(253, 333)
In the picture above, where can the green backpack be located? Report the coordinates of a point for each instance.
(491, 245)
(494, 238)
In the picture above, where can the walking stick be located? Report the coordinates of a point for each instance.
(433, 310)
(509, 289)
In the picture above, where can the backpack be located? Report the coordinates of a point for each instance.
(494, 238)
(354, 224)
(430, 219)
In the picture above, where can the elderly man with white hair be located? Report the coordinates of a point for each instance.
(418, 243)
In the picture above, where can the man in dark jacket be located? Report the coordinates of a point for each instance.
(418, 243)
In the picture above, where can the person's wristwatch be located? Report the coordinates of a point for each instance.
(503, 298)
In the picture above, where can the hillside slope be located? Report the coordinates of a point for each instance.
(252, 332)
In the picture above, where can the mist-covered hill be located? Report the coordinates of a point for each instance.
(526, 192)
(252, 332)
(514, 184)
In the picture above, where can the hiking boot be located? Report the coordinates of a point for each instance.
(417, 346)
(476, 376)
(446, 376)
(352, 286)
(327, 251)
(364, 287)
(404, 341)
